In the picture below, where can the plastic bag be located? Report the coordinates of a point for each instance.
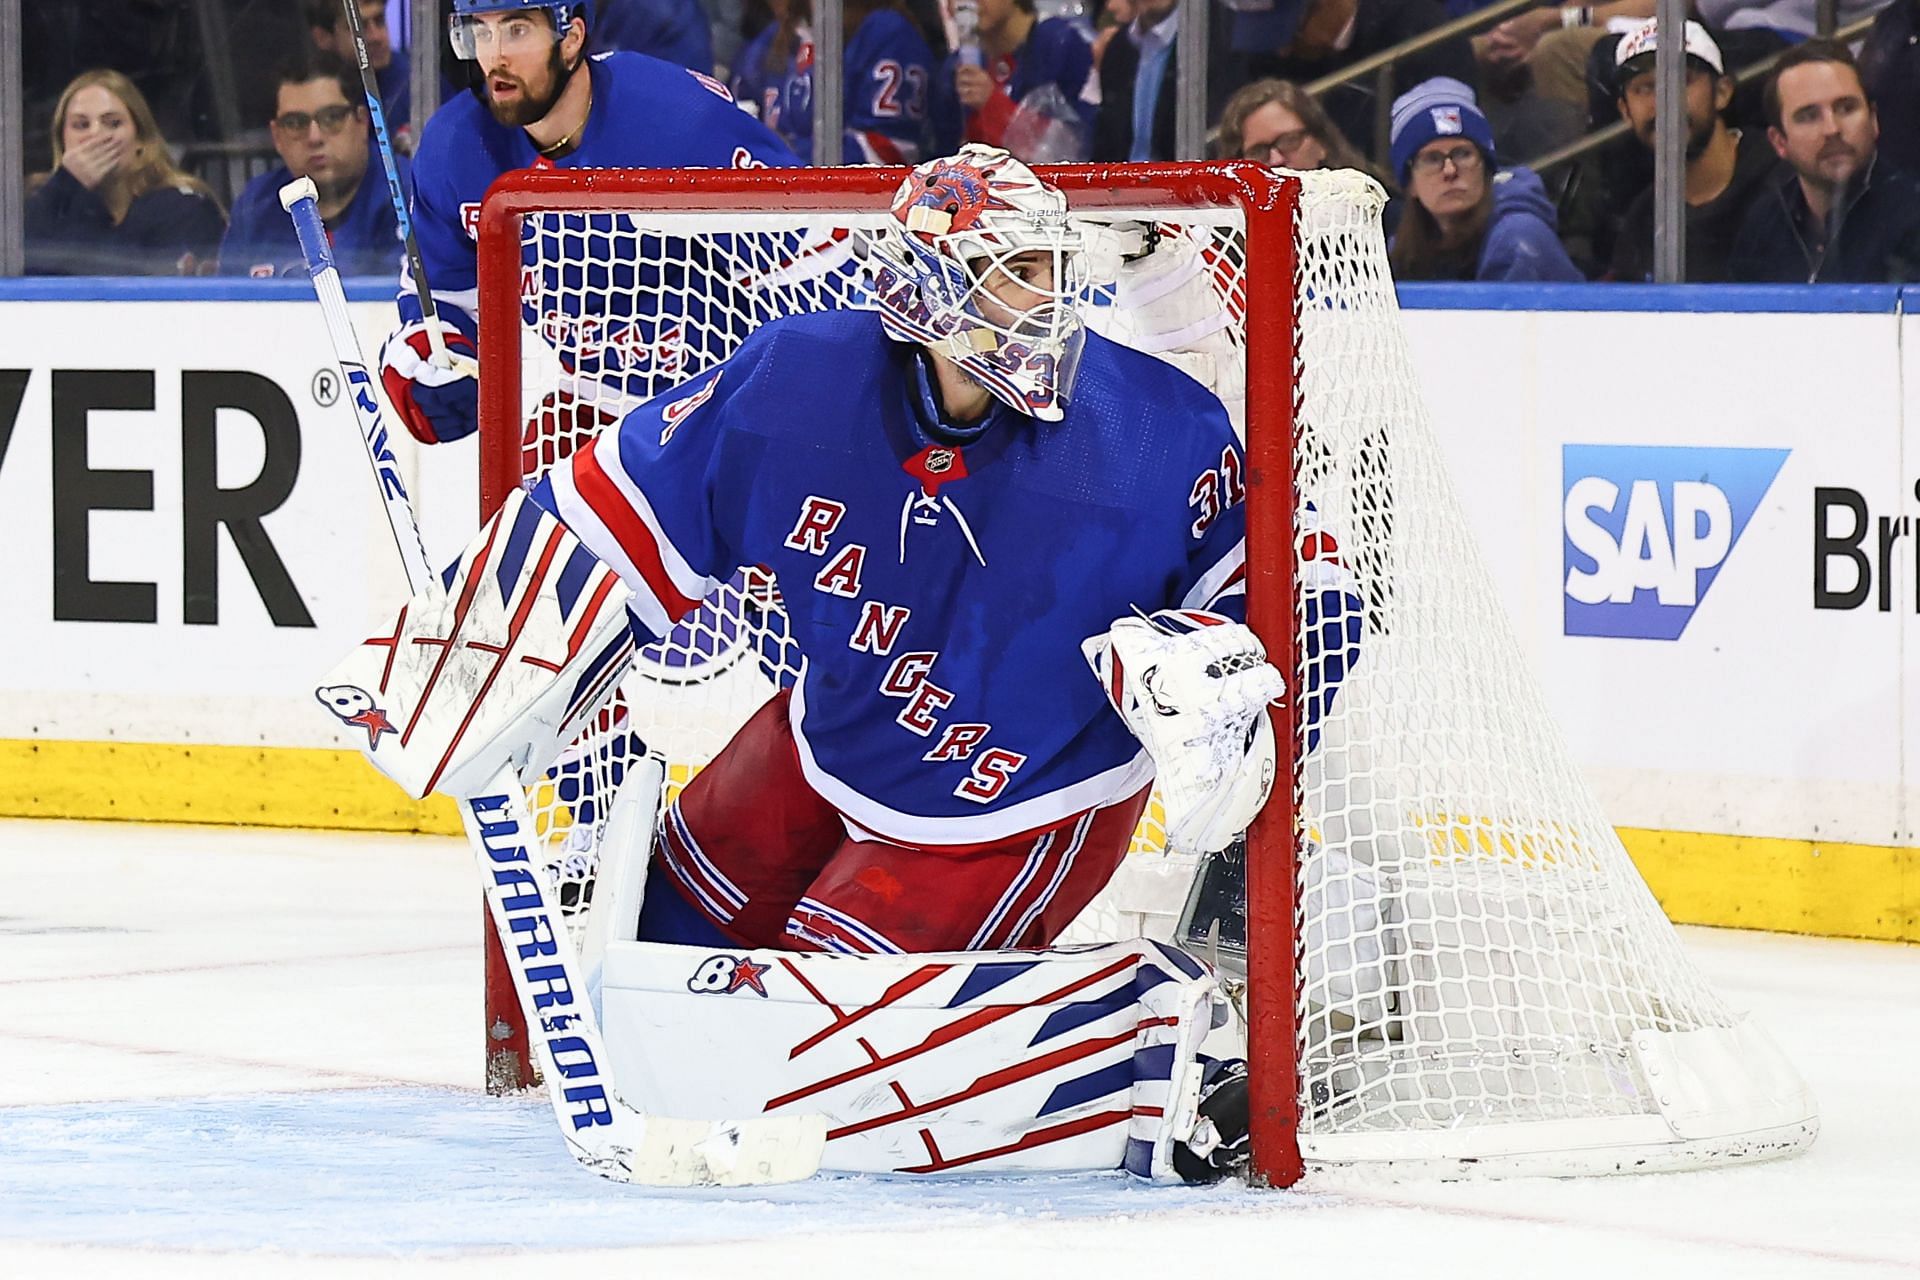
(1046, 129)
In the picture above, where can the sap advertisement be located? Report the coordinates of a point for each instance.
(1703, 524)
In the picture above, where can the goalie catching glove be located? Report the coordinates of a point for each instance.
(527, 641)
(1194, 687)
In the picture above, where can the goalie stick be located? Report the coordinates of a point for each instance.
(601, 1131)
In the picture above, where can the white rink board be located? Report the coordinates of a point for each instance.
(246, 679)
(1766, 716)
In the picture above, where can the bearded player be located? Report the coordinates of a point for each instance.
(543, 102)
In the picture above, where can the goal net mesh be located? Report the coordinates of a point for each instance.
(1475, 945)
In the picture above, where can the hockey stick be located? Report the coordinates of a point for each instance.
(601, 1131)
(397, 194)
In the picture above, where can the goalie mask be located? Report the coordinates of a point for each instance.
(982, 264)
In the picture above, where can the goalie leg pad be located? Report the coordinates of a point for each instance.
(528, 640)
(954, 1062)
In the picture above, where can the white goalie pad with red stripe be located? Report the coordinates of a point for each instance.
(528, 639)
(957, 1062)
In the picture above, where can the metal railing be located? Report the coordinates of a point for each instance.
(1381, 65)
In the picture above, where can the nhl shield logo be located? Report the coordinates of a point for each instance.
(939, 462)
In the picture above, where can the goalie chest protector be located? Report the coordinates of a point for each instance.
(938, 592)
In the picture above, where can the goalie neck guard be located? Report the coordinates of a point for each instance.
(953, 272)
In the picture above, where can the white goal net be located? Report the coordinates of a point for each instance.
(1482, 980)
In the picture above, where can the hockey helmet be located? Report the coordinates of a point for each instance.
(460, 24)
(955, 271)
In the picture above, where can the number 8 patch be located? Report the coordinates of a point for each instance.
(723, 975)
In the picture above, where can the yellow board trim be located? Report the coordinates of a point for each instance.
(1742, 882)
(1788, 886)
(247, 786)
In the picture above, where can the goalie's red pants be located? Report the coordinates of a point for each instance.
(769, 862)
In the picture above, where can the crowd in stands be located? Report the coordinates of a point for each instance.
(1808, 173)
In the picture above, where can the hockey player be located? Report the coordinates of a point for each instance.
(966, 499)
(954, 495)
(545, 103)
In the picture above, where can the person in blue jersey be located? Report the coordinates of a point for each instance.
(544, 102)
(1012, 554)
(319, 128)
(966, 499)
(957, 494)
(982, 85)
(888, 65)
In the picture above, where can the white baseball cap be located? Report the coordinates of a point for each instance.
(1645, 38)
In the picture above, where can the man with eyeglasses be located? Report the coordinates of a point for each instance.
(319, 128)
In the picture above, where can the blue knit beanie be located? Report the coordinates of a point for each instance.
(1437, 108)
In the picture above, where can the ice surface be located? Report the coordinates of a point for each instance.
(255, 1053)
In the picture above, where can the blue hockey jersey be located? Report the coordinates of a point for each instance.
(647, 114)
(365, 237)
(887, 68)
(938, 592)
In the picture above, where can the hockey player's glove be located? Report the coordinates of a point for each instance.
(1219, 1144)
(436, 404)
(1194, 688)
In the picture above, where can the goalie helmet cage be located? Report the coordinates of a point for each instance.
(1454, 967)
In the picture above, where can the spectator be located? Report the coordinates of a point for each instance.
(755, 85)
(1278, 123)
(886, 72)
(1890, 68)
(1019, 59)
(1464, 220)
(1841, 213)
(1725, 167)
(1138, 69)
(328, 24)
(114, 203)
(320, 130)
(671, 30)
(1302, 40)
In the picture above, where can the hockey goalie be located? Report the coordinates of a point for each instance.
(1012, 554)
